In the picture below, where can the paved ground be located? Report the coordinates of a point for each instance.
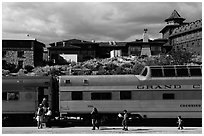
(102, 130)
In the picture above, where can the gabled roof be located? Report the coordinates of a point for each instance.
(174, 16)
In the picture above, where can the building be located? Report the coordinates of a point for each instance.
(111, 49)
(79, 50)
(146, 47)
(22, 51)
(72, 50)
(188, 36)
(183, 34)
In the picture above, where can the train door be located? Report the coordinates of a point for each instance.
(43, 93)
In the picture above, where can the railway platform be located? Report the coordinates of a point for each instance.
(102, 130)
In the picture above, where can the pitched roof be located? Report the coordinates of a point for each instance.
(174, 15)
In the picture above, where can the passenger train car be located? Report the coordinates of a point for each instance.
(158, 94)
(22, 95)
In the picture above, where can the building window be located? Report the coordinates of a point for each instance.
(125, 95)
(135, 50)
(187, 36)
(77, 95)
(192, 35)
(198, 43)
(198, 34)
(182, 37)
(155, 48)
(101, 96)
(168, 96)
(20, 54)
(177, 39)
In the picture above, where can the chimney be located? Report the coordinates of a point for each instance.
(145, 36)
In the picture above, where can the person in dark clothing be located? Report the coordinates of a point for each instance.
(45, 103)
(94, 118)
(124, 121)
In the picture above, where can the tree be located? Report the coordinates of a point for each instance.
(137, 68)
(180, 56)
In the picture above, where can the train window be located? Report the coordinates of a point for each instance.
(77, 95)
(195, 72)
(125, 95)
(4, 96)
(169, 72)
(101, 96)
(67, 81)
(182, 72)
(86, 82)
(13, 96)
(168, 96)
(144, 73)
(156, 72)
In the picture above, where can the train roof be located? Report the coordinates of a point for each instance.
(98, 80)
(25, 81)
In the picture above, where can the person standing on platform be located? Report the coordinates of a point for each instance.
(94, 118)
(48, 117)
(45, 103)
(124, 121)
(40, 116)
(180, 123)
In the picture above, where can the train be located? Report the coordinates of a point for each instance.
(157, 96)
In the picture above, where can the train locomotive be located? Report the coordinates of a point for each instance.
(157, 96)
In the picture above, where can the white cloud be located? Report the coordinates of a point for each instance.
(99, 21)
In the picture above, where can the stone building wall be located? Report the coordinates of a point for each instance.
(189, 36)
(12, 57)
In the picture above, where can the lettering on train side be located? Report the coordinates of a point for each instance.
(190, 105)
(158, 86)
(167, 87)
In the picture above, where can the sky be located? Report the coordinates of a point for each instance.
(50, 22)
